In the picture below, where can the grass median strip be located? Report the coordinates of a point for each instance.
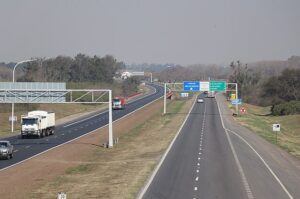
(122, 171)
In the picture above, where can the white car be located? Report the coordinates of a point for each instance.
(6, 149)
(200, 100)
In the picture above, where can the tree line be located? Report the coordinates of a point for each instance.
(281, 92)
(81, 68)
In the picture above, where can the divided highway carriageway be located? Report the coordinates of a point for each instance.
(26, 148)
(207, 161)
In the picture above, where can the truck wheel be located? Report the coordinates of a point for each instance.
(8, 157)
(11, 155)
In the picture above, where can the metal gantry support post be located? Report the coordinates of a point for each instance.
(110, 130)
(165, 98)
(13, 105)
(236, 105)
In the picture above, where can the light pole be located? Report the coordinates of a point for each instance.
(13, 105)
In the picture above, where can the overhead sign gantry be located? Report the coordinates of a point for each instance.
(199, 86)
(41, 92)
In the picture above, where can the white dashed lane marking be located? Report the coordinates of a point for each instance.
(199, 154)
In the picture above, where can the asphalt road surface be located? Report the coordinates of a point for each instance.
(207, 162)
(26, 148)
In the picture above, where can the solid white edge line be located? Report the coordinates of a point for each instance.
(265, 163)
(79, 136)
(260, 157)
(149, 181)
(238, 164)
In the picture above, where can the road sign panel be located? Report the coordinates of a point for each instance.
(204, 86)
(232, 96)
(276, 127)
(243, 110)
(217, 86)
(236, 101)
(191, 86)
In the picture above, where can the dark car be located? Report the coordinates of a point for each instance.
(6, 149)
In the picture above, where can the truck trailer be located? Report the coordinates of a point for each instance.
(38, 123)
(211, 94)
(118, 103)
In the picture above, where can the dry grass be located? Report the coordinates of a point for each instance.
(259, 120)
(120, 172)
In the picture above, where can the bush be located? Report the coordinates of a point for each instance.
(287, 108)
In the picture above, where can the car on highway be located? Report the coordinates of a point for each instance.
(200, 100)
(6, 149)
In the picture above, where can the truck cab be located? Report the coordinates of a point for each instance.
(118, 103)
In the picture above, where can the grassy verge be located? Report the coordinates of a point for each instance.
(259, 120)
(122, 171)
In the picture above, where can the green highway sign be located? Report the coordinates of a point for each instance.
(217, 86)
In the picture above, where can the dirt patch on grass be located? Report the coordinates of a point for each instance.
(83, 169)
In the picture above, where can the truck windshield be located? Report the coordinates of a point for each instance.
(3, 144)
(116, 100)
(29, 121)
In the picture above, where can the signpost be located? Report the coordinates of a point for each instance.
(276, 129)
(191, 86)
(184, 95)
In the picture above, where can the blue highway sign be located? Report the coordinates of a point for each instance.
(191, 86)
(236, 101)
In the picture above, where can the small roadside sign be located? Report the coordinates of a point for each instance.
(236, 101)
(14, 118)
(276, 127)
(232, 96)
(184, 95)
(61, 195)
(243, 110)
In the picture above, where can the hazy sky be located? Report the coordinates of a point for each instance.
(154, 31)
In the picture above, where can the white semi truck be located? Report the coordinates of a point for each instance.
(38, 123)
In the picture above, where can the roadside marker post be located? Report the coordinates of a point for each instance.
(276, 129)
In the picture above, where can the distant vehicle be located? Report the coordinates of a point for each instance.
(6, 149)
(38, 123)
(200, 100)
(211, 94)
(205, 92)
(118, 103)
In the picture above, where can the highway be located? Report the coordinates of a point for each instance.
(26, 148)
(206, 162)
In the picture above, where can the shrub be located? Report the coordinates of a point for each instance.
(287, 108)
